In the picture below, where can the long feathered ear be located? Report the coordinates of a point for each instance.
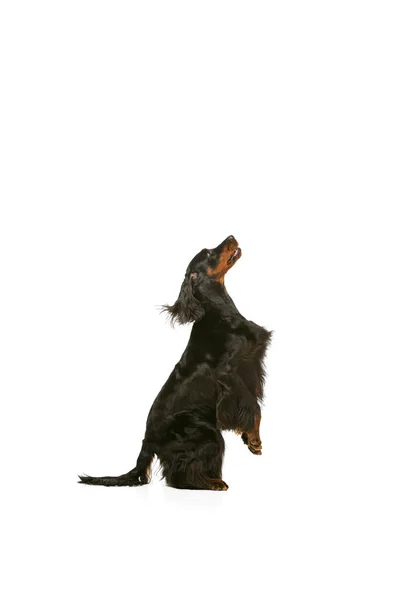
(187, 308)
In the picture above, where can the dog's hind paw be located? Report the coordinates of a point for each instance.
(219, 486)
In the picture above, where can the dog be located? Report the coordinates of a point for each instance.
(217, 384)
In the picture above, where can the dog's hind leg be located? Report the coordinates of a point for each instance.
(193, 460)
(199, 482)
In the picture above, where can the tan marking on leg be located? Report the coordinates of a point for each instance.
(253, 436)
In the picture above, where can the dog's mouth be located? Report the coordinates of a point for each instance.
(228, 253)
(236, 254)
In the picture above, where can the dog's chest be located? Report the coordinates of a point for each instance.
(251, 341)
(230, 344)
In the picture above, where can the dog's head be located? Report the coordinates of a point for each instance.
(204, 277)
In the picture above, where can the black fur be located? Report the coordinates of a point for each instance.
(216, 385)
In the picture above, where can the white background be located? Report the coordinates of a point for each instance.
(133, 134)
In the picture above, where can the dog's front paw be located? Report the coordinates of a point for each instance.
(255, 446)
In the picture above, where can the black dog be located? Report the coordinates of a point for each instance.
(216, 385)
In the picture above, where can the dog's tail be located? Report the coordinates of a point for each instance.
(140, 475)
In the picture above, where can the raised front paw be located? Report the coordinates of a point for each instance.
(253, 444)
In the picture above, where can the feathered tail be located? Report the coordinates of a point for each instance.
(140, 475)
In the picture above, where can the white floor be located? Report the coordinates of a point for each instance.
(291, 525)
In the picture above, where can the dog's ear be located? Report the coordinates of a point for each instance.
(187, 308)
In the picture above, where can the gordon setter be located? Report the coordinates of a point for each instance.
(216, 385)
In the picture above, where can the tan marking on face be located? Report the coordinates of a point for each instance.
(221, 269)
(223, 266)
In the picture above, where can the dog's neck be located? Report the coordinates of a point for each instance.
(220, 305)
